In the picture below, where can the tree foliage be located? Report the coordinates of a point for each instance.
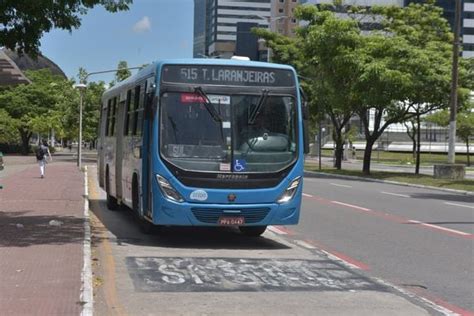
(25, 22)
(123, 72)
(49, 103)
(386, 76)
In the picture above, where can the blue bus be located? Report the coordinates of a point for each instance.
(205, 142)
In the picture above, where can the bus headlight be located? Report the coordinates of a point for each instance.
(167, 189)
(290, 191)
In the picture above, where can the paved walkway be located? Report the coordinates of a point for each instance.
(41, 238)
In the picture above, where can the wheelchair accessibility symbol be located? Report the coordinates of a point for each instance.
(240, 165)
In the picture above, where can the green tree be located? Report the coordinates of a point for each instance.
(123, 72)
(406, 73)
(25, 22)
(324, 54)
(464, 124)
(8, 128)
(26, 102)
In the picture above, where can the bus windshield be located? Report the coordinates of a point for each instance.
(256, 134)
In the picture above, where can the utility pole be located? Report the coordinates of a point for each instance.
(454, 85)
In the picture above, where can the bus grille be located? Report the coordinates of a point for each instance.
(211, 216)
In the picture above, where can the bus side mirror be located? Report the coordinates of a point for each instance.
(305, 115)
(306, 136)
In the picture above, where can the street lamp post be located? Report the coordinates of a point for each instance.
(454, 86)
(270, 22)
(81, 87)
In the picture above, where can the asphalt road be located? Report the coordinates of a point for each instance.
(419, 239)
(299, 270)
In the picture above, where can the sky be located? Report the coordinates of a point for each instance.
(150, 30)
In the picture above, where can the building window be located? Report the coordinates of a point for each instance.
(280, 10)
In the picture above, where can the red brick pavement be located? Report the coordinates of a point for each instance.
(41, 264)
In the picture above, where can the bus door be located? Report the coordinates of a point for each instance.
(100, 147)
(119, 145)
(147, 147)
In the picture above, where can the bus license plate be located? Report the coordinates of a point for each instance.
(231, 221)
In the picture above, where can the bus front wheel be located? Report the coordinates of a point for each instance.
(252, 231)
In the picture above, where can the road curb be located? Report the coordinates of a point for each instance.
(87, 297)
(314, 174)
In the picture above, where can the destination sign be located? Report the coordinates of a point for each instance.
(227, 75)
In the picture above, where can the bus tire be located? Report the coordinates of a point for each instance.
(111, 201)
(252, 231)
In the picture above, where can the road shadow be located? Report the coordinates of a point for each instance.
(124, 226)
(18, 229)
(444, 197)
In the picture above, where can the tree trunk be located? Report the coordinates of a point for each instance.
(25, 142)
(368, 156)
(339, 153)
(418, 143)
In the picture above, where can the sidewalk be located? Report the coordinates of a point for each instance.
(41, 238)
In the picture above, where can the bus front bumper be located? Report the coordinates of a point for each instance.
(195, 214)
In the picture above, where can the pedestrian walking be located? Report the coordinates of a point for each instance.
(41, 153)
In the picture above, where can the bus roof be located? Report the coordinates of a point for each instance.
(157, 65)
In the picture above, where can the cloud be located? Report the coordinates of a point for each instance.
(142, 26)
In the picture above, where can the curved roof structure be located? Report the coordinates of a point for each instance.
(25, 62)
(10, 74)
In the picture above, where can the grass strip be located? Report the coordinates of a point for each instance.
(466, 185)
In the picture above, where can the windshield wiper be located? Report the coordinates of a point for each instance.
(207, 103)
(258, 107)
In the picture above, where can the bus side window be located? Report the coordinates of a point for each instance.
(138, 117)
(112, 117)
(128, 113)
(107, 124)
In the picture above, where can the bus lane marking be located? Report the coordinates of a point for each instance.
(460, 205)
(395, 194)
(198, 274)
(338, 256)
(457, 232)
(106, 254)
(341, 185)
(398, 219)
(352, 206)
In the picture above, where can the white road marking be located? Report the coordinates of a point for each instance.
(86, 275)
(353, 206)
(304, 244)
(307, 195)
(460, 205)
(341, 185)
(440, 228)
(276, 230)
(396, 194)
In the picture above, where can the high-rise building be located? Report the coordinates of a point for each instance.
(199, 47)
(468, 29)
(215, 24)
(283, 20)
(467, 21)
